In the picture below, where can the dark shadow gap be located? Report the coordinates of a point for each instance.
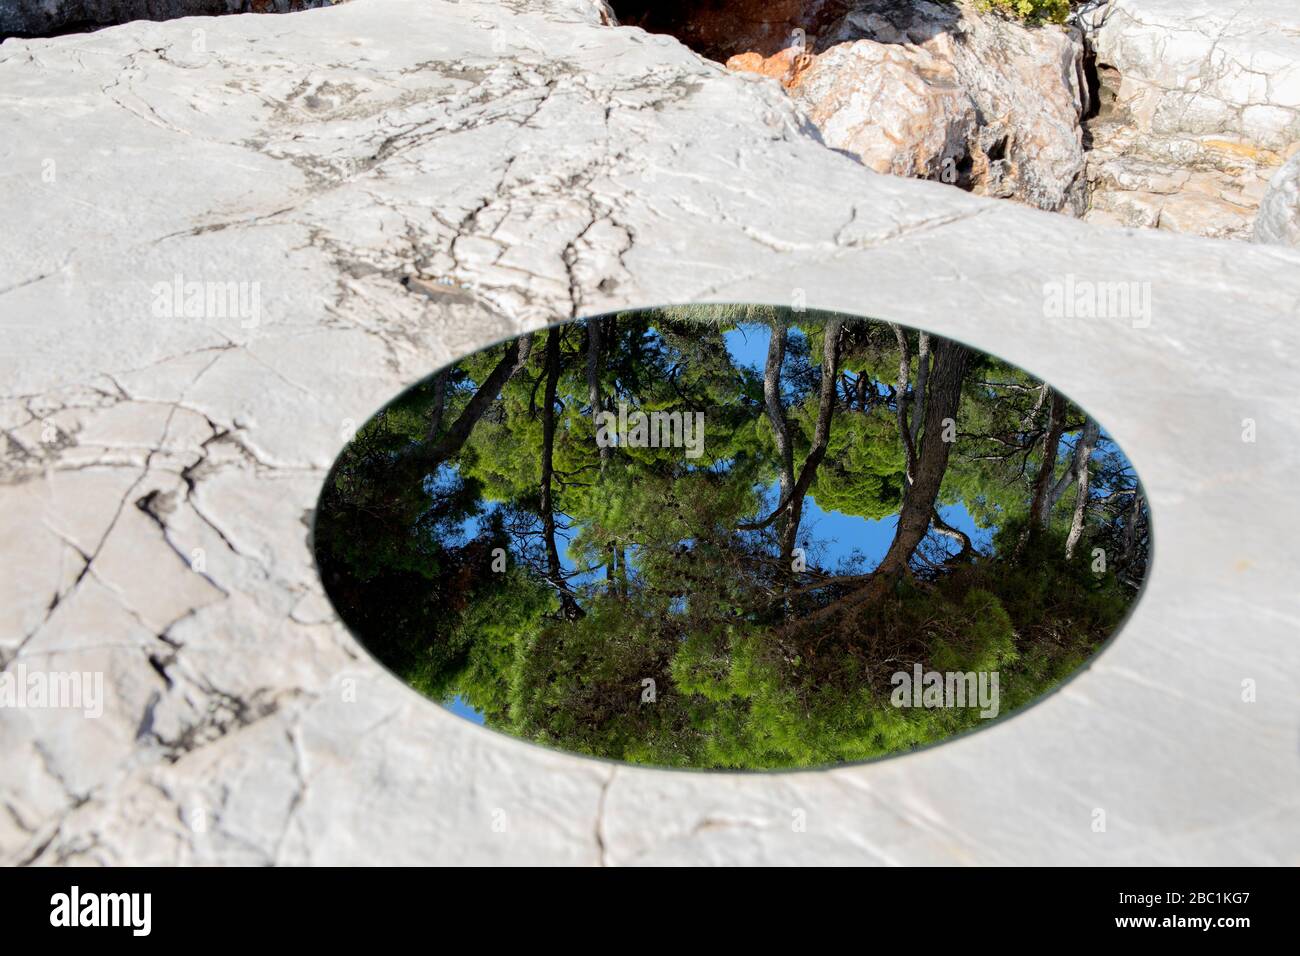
(31, 20)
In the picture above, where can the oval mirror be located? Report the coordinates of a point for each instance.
(732, 537)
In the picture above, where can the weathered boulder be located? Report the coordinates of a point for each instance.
(901, 110)
(35, 18)
(158, 469)
(948, 92)
(1278, 221)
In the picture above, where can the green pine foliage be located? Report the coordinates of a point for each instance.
(692, 644)
(1035, 11)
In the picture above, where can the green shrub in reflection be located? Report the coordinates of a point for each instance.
(638, 604)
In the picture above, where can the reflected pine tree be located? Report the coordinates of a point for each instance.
(627, 600)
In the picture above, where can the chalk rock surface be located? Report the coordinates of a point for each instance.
(217, 264)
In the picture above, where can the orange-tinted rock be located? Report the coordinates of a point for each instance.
(786, 65)
(953, 93)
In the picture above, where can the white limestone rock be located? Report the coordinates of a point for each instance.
(1205, 67)
(1206, 94)
(1206, 187)
(158, 469)
(1278, 221)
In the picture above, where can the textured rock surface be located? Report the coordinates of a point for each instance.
(158, 472)
(1205, 66)
(899, 108)
(1201, 103)
(45, 17)
(946, 92)
(1204, 186)
(1279, 213)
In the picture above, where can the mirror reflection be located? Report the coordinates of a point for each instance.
(733, 537)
